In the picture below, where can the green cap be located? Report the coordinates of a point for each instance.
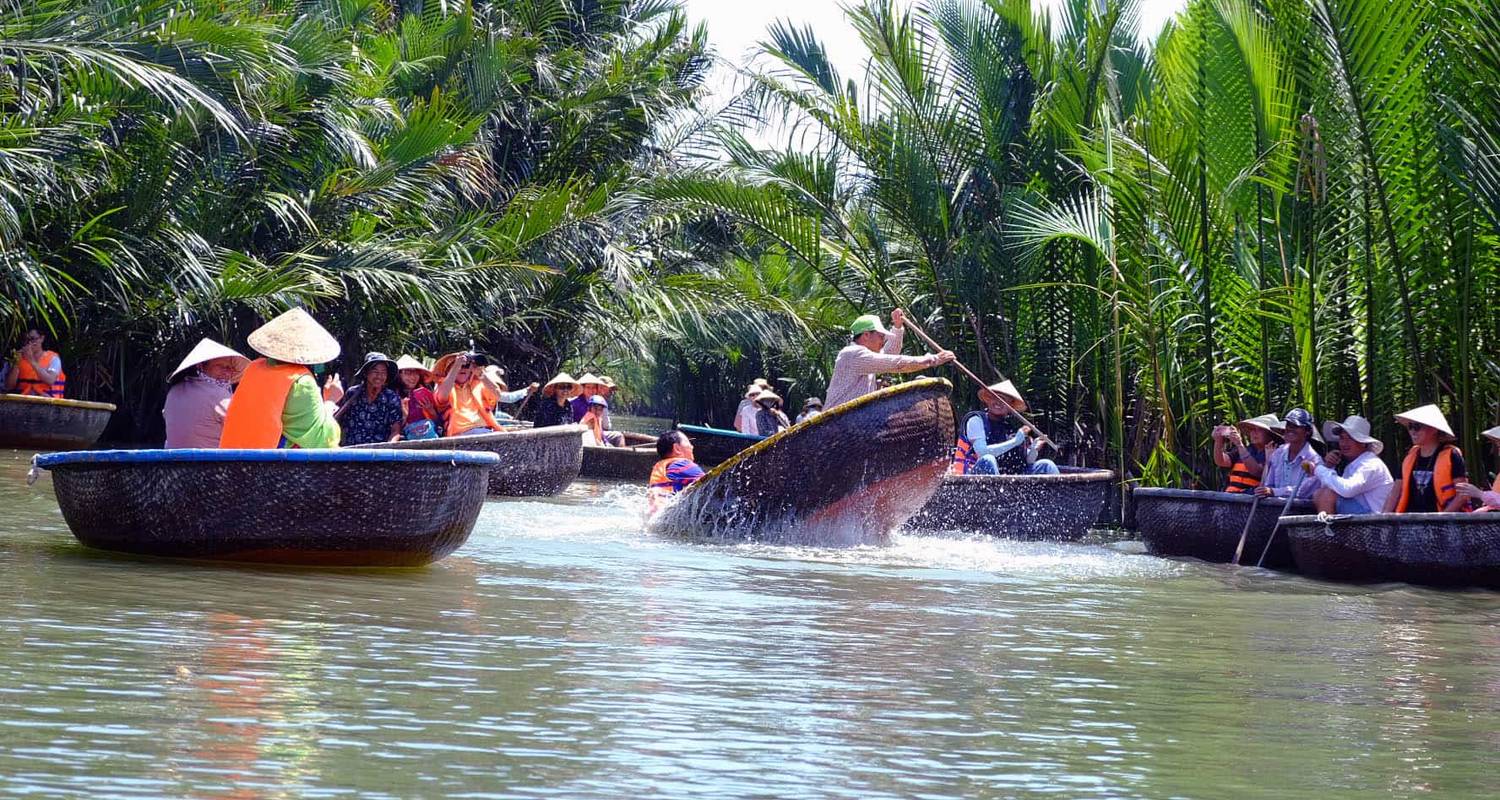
(867, 323)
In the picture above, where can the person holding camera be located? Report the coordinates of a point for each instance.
(1242, 449)
(466, 396)
(35, 370)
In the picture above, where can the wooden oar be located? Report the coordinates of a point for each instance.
(1277, 527)
(1239, 549)
(936, 348)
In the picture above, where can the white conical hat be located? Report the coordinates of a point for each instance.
(561, 379)
(295, 338)
(1492, 433)
(1008, 390)
(589, 377)
(1429, 415)
(1358, 429)
(208, 350)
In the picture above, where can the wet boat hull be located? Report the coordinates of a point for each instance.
(1207, 525)
(534, 462)
(45, 423)
(631, 463)
(1446, 550)
(1031, 507)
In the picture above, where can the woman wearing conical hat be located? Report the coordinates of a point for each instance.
(198, 399)
(1487, 500)
(555, 408)
(1243, 449)
(1432, 468)
(278, 402)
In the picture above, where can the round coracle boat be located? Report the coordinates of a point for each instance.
(1208, 525)
(633, 462)
(849, 476)
(1033, 507)
(49, 423)
(534, 462)
(1452, 550)
(362, 508)
(714, 446)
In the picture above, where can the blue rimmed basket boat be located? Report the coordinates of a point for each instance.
(1207, 525)
(48, 423)
(362, 508)
(1032, 507)
(850, 476)
(714, 446)
(1449, 550)
(534, 462)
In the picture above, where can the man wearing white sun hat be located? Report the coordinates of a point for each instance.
(1366, 483)
(1433, 466)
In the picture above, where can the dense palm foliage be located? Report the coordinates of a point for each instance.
(1279, 202)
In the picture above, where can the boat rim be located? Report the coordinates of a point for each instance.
(1445, 517)
(1200, 494)
(726, 433)
(210, 456)
(62, 402)
(493, 436)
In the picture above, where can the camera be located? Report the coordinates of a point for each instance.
(477, 359)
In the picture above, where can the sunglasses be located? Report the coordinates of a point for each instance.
(1415, 427)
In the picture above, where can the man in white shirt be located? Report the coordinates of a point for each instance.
(1366, 482)
(874, 351)
(1283, 474)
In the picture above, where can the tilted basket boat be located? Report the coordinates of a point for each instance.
(714, 446)
(49, 423)
(366, 508)
(632, 462)
(1430, 549)
(1207, 525)
(534, 462)
(849, 476)
(1035, 507)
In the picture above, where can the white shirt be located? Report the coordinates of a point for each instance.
(975, 433)
(744, 417)
(855, 368)
(1284, 472)
(1366, 478)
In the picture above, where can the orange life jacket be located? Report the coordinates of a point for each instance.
(1241, 479)
(1442, 477)
(32, 384)
(661, 488)
(468, 407)
(963, 457)
(254, 417)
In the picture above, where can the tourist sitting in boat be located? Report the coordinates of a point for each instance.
(35, 370)
(371, 412)
(593, 423)
(466, 396)
(422, 419)
(1242, 449)
(744, 415)
(990, 442)
(198, 395)
(555, 408)
(769, 419)
(873, 351)
(589, 387)
(673, 473)
(1283, 475)
(1485, 500)
(1366, 482)
(1432, 468)
(278, 402)
(811, 407)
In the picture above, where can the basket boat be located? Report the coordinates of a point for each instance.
(1207, 525)
(49, 423)
(364, 508)
(1431, 549)
(714, 446)
(537, 462)
(849, 476)
(632, 462)
(1033, 507)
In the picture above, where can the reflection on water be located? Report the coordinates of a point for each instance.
(562, 653)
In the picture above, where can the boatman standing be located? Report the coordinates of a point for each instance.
(673, 473)
(278, 403)
(874, 351)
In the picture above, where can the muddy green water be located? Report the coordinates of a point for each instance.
(562, 653)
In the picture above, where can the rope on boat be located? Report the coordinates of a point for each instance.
(33, 473)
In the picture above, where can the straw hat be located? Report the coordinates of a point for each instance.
(767, 394)
(1007, 390)
(590, 379)
(550, 388)
(208, 350)
(1358, 429)
(812, 402)
(496, 376)
(608, 382)
(377, 358)
(1493, 434)
(1431, 416)
(1266, 422)
(295, 338)
(409, 362)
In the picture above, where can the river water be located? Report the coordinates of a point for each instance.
(562, 653)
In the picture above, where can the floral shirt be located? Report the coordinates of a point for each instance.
(365, 422)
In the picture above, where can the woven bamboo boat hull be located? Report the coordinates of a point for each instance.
(632, 463)
(714, 446)
(374, 508)
(538, 462)
(1429, 549)
(1032, 507)
(850, 476)
(1207, 525)
(46, 423)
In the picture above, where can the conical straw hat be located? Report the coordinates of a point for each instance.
(1008, 390)
(589, 377)
(295, 338)
(1493, 434)
(208, 350)
(409, 362)
(1429, 415)
(562, 378)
